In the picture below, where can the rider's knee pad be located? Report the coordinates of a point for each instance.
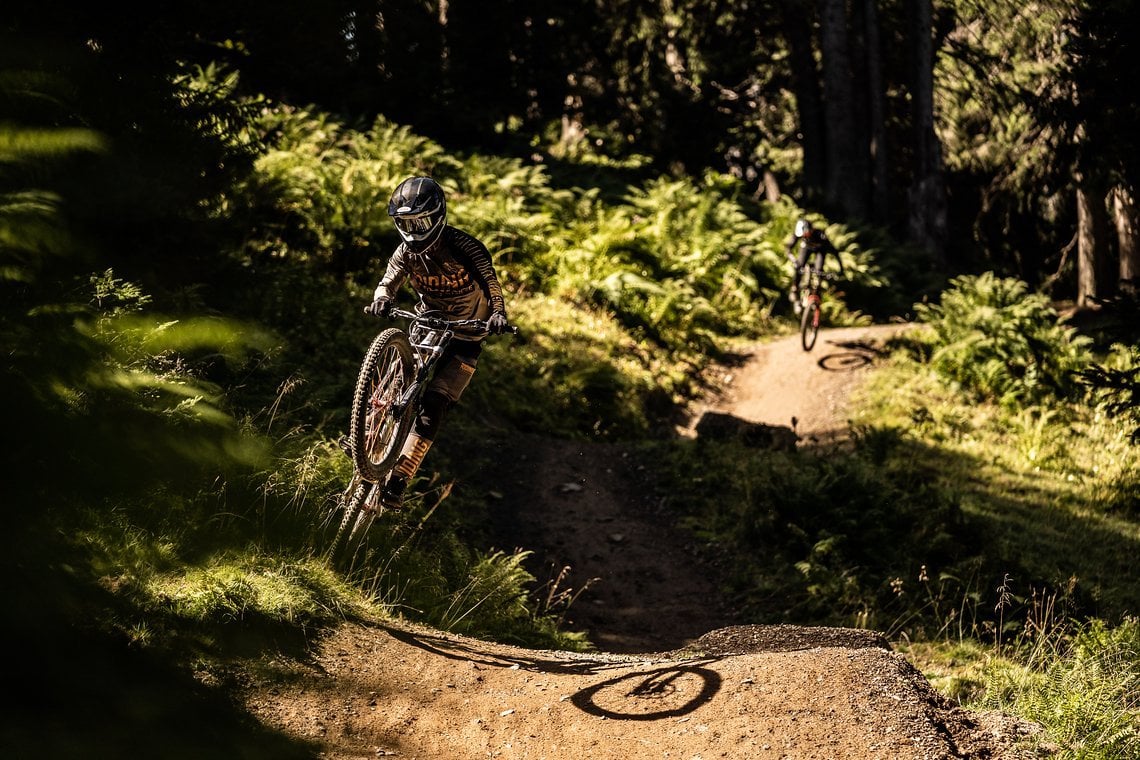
(452, 378)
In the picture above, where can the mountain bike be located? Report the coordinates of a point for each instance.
(389, 386)
(810, 313)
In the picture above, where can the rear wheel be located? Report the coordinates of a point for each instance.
(378, 426)
(809, 324)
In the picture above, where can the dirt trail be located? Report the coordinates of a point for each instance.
(781, 384)
(675, 676)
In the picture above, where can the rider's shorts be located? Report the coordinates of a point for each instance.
(455, 368)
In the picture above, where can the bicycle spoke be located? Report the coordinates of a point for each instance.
(378, 417)
(385, 392)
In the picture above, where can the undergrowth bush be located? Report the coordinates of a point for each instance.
(1080, 682)
(999, 341)
(812, 538)
(1114, 385)
(679, 262)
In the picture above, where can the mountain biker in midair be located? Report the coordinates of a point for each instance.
(451, 272)
(812, 242)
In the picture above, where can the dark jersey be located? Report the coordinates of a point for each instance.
(819, 246)
(454, 276)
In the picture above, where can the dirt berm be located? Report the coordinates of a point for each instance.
(678, 676)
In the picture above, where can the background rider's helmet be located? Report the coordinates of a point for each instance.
(419, 211)
(803, 228)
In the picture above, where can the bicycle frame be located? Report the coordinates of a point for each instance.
(813, 281)
(428, 336)
(811, 310)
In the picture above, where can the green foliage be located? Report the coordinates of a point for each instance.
(413, 563)
(1050, 487)
(1000, 342)
(136, 392)
(85, 363)
(818, 538)
(1081, 685)
(321, 189)
(248, 587)
(693, 264)
(498, 597)
(573, 371)
(1115, 384)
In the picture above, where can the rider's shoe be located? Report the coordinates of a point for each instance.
(392, 494)
(344, 445)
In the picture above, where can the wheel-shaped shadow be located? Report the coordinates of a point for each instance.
(856, 354)
(666, 692)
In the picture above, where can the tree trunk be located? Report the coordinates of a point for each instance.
(1125, 215)
(845, 185)
(927, 196)
(796, 19)
(877, 116)
(771, 187)
(1093, 261)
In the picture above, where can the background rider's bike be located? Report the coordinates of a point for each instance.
(392, 379)
(810, 313)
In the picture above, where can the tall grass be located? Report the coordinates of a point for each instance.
(1080, 681)
(1051, 475)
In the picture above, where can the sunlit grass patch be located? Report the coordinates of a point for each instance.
(1081, 683)
(253, 587)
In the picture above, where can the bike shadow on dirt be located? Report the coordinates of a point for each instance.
(578, 665)
(666, 692)
(852, 355)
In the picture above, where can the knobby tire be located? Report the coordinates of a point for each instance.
(377, 430)
(809, 324)
(356, 516)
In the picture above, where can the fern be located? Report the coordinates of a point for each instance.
(1084, 692)
(1000, 342)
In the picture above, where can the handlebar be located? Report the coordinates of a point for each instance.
(440, 323)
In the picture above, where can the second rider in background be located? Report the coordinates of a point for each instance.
(812, 242)
(452, 273)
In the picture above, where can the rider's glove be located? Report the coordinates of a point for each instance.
(497, 323)
(381, 307)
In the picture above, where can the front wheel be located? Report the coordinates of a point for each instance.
(809, 324)
(356, 508)
(379, 425)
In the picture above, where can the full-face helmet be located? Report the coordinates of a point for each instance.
(419, 211)
(804, 228)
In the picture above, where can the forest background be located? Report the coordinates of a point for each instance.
(192, 214)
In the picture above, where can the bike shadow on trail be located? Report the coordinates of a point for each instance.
(667, 691)
(476, 652)
(853, 355)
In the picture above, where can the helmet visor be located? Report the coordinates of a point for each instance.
(418, 226)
